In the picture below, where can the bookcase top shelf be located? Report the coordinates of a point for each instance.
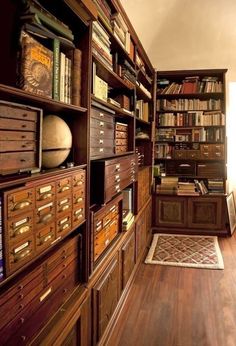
(194, 95)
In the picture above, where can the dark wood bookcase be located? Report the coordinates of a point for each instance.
(66, 263)
(190, 152)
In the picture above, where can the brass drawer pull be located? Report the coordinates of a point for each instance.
(46, 218)
(46, 238)
(21, 255)
(45, 196)
(64, 188)
(21, 230)
(21, 205)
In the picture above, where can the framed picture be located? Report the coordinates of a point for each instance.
(231, 212)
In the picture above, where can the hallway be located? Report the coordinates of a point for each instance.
(173, 306)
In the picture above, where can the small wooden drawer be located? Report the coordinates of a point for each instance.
(121, 149)
(16, 162)
(64, 225)
(23, 125)
(217, 151)
(61, 268)
(104, 238)
(20, 227)
(211, 169)
(19, 201)
(101, 115)
(101, 151)
(121, 134)
(45, 237)
(101, 133)
(77, 216)
(101, 142)
(78, 198)
(19, 112)
(63, 186)
(180, 168)
(79, 180)
(63, 205)
(20, 253)
(121, 141)
(121, 127)
(44, 214)
(180, 154)
(101, 124)
(17, 146)
(44, 193)
(193, 154)
(17, 136)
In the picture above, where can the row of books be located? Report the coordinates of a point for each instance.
(1, 248)
(192, 118)
(190, 135)
(142, 110)
(101, 45)
(188, 104)
(190, 85)
(121, 32)
(48, 64)
(172, 185)
(163, 151)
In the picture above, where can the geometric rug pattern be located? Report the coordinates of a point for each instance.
(185, 251)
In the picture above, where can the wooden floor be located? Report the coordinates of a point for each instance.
(171, 306)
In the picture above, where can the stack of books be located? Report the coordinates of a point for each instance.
(120, 31)
(104, 11)
(167, 186)
(127, 219)
(101, 45)
(215, 186)
(142, 110)
(187, 189)
(201, 186)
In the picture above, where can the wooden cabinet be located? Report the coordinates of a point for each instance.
(106, 294)
(128, 258)
(201, 215)
(143, 187)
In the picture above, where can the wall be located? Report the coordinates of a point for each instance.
(189, 34)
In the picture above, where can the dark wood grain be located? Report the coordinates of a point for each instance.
(171, 306)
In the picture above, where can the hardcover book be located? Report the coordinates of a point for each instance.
(35, 70)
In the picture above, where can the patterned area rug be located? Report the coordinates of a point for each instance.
(185, 251)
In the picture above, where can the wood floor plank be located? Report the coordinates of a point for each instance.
(173, 306)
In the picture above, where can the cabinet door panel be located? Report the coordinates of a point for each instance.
(205, 213)
(106, 294)
(128, 259)
(170, 211)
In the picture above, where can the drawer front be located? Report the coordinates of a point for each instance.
(13, 112)
(20, 227)
(100, 151)
(101, 115)
(63, 186)
(12, 124)
(121, 134)
(217, 151)
(101, 142)
(45, 237)
(19, 201)
(101, 124)
(17, 161)
(104, 237)
(211, 169)
(63, 225)
(121, 141)
(44, 193)
(62, 269)
(20, 253)
(180, 168)
(17, 146)
(78, 216)
(17, 136)
(44, 215)
(180, 154)
(121, 127)
(79, 198)
(78, 180)
(101, 133)
(121, 149)
(63, 205)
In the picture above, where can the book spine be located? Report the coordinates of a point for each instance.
(62, 76)
(56, 70)
(69, 81)
(66, 81)
(76, 77)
